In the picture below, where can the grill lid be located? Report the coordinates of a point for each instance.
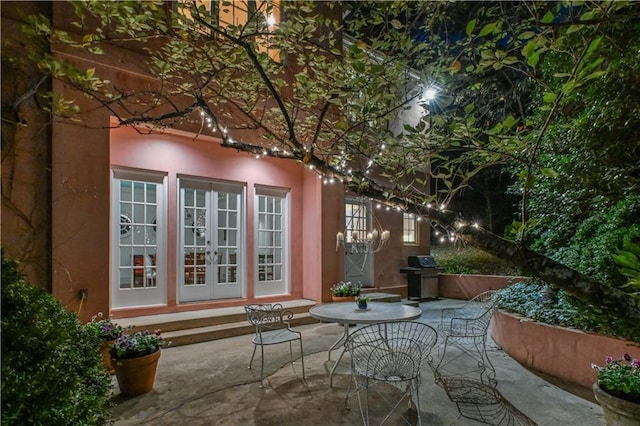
(422, 261)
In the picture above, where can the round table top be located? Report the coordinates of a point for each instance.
(348, 313)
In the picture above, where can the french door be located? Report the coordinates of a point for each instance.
(211, 241)
(138, 240)
(271, 225)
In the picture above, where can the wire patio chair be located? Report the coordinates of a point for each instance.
(272, 327)
(463, 340)
(386, 359)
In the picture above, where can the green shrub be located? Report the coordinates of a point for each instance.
(470, 260)
(532, 300)
(52, 372)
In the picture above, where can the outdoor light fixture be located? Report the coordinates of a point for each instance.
(431, 93)
(358, 237)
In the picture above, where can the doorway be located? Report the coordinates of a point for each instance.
(211, 241)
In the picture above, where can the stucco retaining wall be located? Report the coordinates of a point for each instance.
(560, 352)
(465, 287)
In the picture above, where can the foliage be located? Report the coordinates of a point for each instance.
(528, 299)
(104, 329)
(585, 197)
(588, 245)
(620, 377)
(343, 289)
(362, 298)
(135, 345)
(628, 262)
(470, 260)
(51, 371)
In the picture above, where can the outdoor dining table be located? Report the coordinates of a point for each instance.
(346, 313)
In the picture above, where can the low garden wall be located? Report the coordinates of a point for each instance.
(456, 286)
(560, 352)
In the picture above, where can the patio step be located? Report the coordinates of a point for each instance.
(221, 331)
(184, 328)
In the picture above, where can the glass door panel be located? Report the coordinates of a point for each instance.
(211, 242)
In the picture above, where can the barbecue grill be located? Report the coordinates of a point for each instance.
(422, 277)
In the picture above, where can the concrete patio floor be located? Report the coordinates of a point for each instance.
(209, 384)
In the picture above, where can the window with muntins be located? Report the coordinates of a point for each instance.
(247, 18)
(138, 244)
(355, 221)
(409, 229)
(270, 237)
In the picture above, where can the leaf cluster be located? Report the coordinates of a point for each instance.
(564, 310)
(52, 371)
(469, 260)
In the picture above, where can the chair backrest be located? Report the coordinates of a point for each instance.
(484, 297)
(473, 318)
(392, 349)
(267, 316)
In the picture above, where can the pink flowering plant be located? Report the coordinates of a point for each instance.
(103, 328)
(620, 377)
(135, 345)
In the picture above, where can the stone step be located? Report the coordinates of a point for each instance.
(202, 318)
(221, 331)
(184, 328)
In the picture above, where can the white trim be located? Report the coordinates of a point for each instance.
(282, 286)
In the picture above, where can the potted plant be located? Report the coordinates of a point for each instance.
(105, 332)
(362, 301)
(135, 359)
(344, 291)
(618, 390)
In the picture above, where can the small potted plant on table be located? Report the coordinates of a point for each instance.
(105, 332)
(135, 360)
(362, 301)
(345, 291)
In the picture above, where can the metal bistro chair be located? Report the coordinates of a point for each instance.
(464, 336)
(386, 358)
(272, 327)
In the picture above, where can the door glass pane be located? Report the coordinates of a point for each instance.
(228, 244)
(195, 236)
(138, 244)
(270, 236)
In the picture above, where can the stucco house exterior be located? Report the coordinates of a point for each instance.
(131, 222)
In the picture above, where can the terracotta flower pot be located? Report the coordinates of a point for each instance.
(617, 412)
(342, 298)
(136, 376)
(106, 358)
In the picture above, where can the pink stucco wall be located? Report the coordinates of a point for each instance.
(560, 352)
(465, 287)
(176, 154)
